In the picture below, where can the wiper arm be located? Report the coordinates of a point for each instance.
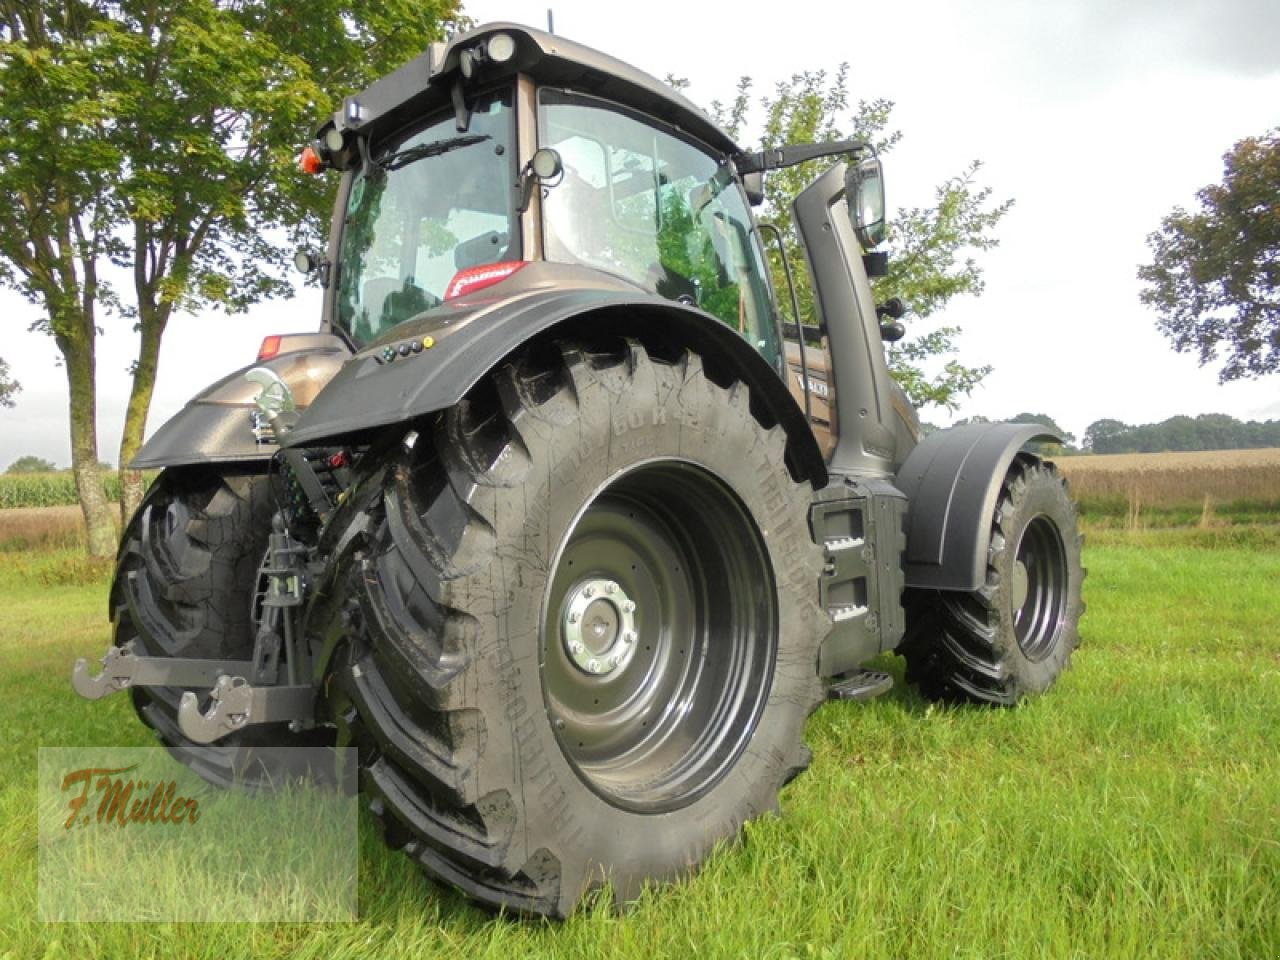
(402, 158)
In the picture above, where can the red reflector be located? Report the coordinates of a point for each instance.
(339, 459)
(310, 161)
(477, 278)
(270, 347)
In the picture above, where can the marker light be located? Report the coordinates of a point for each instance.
(310, 161)
(270, 347)
(477, 278)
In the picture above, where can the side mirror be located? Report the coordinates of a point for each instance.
(864, 193)
(304, 261)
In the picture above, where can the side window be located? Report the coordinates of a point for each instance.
(642, 202)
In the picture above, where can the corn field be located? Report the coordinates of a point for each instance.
(51, 489)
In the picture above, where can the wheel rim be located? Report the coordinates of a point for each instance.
(1039, 588)
(658, 637)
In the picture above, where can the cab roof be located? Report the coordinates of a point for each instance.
(428, 81)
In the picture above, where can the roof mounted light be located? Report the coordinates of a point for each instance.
(501, 47)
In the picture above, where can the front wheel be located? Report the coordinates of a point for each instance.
(585, 628)
(1012, 637)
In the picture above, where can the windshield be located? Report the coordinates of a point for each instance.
(433, 202)
(639, 201)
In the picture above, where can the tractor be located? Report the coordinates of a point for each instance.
(557, 519)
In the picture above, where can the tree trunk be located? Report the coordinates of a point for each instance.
(152, 323)
(78, 353)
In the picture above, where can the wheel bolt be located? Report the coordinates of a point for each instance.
(573, 616)
(613, 661)
(610, 587)
(629, 606)
(576, 648)
(594, 666)
(629, 637)
(589, 591)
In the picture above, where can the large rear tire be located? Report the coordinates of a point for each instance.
(1012, 637)
(583, 628)
(185, 584)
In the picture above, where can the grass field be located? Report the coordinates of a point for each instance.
(1135, 811)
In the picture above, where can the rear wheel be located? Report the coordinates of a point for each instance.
(585, 630)
(186, 585)
(1012, 637)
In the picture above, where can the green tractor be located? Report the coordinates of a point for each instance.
(554, 519)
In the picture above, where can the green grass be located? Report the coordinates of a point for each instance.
(1135, 811)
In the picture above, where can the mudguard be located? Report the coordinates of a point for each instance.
(392, 381)
(952, 482)
(216, 426)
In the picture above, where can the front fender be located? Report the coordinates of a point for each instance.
(215, 425)
(472, 335)
(952, 482)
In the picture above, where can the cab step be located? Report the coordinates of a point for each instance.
(860, 685)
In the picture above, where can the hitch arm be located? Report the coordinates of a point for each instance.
(235, 705)
(122, 669)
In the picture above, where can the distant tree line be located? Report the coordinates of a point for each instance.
(1209, 431)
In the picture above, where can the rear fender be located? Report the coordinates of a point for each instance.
(952, 481)
(216, 426)
(470, 336)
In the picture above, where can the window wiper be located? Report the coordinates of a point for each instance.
(402, 158)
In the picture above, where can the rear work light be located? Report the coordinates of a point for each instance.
(477, 278)
(270, 346)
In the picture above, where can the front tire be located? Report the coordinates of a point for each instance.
(585, 630)
(185, 583)
(1012, 637)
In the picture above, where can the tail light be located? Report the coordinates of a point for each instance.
(477, 278)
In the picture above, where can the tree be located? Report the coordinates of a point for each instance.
(1047, 449)
(931, 248)
(1215, 276)
(160, 138)
(8, 386)
(30, 464)
(1102, 436)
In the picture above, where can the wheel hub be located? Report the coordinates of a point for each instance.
(599, 627)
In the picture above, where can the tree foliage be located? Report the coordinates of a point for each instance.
(1209, 431)
(159, 138)
(31, 464)
(1214, 279)
(8, 385)
(932, 249)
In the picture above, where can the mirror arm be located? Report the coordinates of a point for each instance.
(789, 156)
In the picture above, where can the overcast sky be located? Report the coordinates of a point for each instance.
(1096, 116)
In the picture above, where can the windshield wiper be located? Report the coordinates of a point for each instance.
(402, 158)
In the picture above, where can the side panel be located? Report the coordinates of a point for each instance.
(952, 481)
(216, 425)
(469, 336)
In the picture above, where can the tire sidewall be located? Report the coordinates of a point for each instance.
(654, 413)
(1042, 494)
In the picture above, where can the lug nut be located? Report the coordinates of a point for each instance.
(614, 660)
(573, 616)
(594, 666)
(629, 606)
(589, 591)
(629, 637)
(610, 587)
(576, 648)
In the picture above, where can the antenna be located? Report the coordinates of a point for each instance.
(551, 21)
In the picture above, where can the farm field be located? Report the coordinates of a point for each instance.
(1133, 812)
(1245, 481)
